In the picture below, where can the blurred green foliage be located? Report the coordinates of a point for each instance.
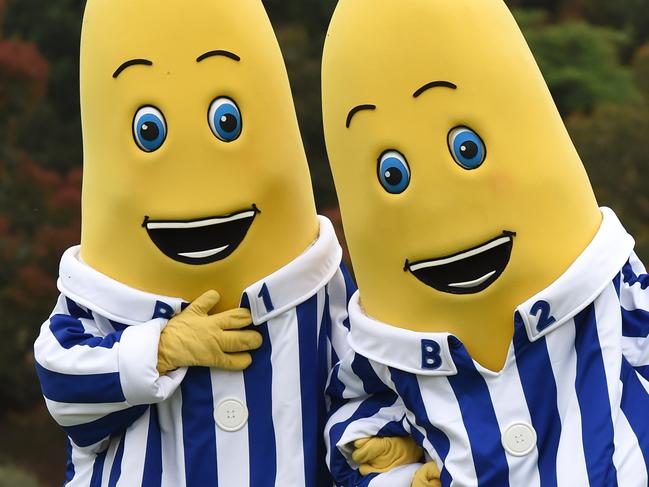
(13, 477)
(580, 62)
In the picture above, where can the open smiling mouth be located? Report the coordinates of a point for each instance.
(199, 242)
(469, 271)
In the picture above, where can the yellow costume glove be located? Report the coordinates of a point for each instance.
(427, 476)
(196, 337)
(378, 455)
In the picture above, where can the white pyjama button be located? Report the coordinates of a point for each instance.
(519, 439)
(231, 415)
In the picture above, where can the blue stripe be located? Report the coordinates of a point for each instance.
(311, 394)
(540, 389)
(118, 326)
(69, 332)
(416, 434)
(408, 388)
(643, 371)
(344, 475)
(258, 379)
(152, 476)
(635, 324)
(617, 283)
(80, 389)
(335, 391)
(69, 466)
(363, 370)
(393, 428)
(479, 419)
(115, 423)
(634, 405)
(199, 435)
(98, 469)
(77, 311)
(350, 289)
(631, 278)
(325, 340)
(324, 367)
(592, 394)
(116, 468)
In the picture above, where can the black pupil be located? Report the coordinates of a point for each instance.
(149, 131)
(469, 149)
(393, 176)
(228, 123)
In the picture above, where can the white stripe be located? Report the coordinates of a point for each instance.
(637, 265)
(78, 360)
(628, 458)
(571, 461)
(462, 256)
(232, 449)
(83, 461)
(340, 416)
(110, 459)
(510, 406)
(338, 310)
(609, 330)
(636, 350)
(199, 224)
(398, 477)
(634, 297)
(444, 413)
(286, 396)
(173, 453)
(134, 451)
(70, 414)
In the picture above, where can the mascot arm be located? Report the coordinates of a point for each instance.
(634, 302)
(367, 435)
(96, 384)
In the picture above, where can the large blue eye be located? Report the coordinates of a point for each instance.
(467, 148)
(394, 173)
(225, 119)
(149, 129)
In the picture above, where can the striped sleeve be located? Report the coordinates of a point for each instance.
(96, 382)
(362, 406)
(633, 284)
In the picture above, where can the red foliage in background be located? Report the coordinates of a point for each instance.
(39, 219)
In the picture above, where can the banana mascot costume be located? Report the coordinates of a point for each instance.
(502, 317)
(195, 180)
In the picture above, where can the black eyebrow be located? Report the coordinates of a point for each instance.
(355, 110)
(434, 84)
(219, 52)
(132, 62)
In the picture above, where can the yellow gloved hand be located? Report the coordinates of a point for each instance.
(196, 337)
(378, 455)
(427, 476)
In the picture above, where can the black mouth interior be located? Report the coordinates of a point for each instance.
(466, 269)
(176, 241)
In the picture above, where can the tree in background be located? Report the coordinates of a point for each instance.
(38, 218)
(581, 63)
(614, 145)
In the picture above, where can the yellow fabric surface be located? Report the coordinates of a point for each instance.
(378, 455)
(427, 476)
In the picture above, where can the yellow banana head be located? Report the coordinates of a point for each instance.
(195, 176)
(461, 192)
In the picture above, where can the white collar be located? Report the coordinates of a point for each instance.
(584, 280)
(299, 280)
(289, 286)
